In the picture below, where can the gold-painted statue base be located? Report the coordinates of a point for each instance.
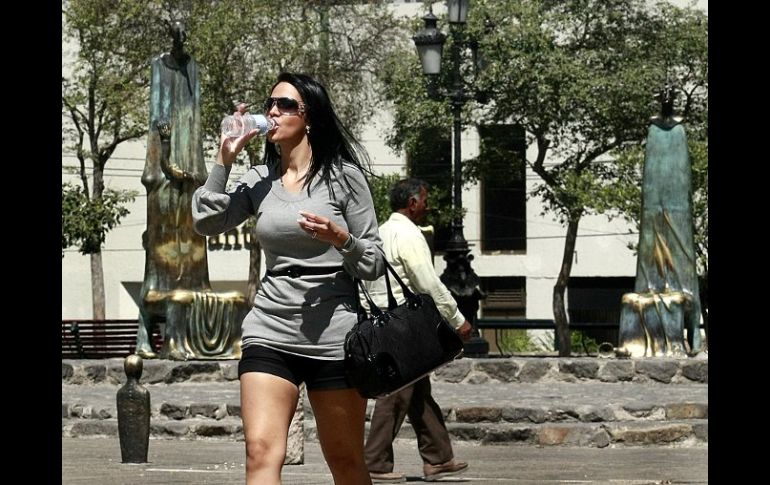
(652, 324)
(201, 325)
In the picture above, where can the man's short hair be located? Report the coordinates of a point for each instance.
(403, 190)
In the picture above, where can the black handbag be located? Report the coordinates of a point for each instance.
(389, 350)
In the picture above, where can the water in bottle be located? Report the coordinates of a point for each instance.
(234, 126)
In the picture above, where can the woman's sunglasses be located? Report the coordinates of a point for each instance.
(286, 106)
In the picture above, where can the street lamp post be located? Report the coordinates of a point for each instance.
(458, 276)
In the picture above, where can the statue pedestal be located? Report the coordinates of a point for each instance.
(652, 324)
(203, 325)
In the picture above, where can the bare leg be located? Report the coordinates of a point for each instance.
(340, 415)
(267, 406)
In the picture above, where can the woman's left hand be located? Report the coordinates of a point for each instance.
(323, 229)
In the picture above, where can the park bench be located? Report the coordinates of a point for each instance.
(100, 339)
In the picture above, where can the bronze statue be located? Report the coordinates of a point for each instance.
(666, 299)
(133, 414)
(176, 269)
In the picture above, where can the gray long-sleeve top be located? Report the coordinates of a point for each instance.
(311, 314)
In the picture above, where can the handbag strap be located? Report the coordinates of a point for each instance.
(360, 310)
(392, 303)
(409, 295)
(373, 308)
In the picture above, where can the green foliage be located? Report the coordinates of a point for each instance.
(85, 221)
(241, 52)
(381, 185)
(438, 201)
(238, 47)
(582, 344)
(404, 86)
(578, 75)
(517, 341)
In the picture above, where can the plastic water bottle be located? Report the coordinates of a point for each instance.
(234, 126)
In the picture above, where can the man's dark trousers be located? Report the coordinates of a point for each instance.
(425, 417)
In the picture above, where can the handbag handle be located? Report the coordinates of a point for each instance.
(413, 301)
(373, 308)
(408, 294)
(392, 304)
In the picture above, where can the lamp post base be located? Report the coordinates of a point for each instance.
(465, 286)
(476, 347)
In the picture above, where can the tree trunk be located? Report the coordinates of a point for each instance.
(559, 311)
(97, 286)
(97, 269)
(323, 68)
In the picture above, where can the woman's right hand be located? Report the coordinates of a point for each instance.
(229, 148)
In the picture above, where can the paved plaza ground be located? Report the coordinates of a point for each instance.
(96, 461)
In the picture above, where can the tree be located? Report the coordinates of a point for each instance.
(579, 77)
(381, 195)
(103, 100)
(86, 221)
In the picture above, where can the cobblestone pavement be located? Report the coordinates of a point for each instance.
(96, 461)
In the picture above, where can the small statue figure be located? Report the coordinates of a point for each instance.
(133, 414)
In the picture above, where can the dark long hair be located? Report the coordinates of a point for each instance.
(331, 142)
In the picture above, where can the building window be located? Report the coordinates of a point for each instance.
(503, 188)
(506, 297)
(431, 161)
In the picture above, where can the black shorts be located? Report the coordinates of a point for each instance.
(317, 374)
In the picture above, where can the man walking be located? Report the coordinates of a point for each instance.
(407, 251)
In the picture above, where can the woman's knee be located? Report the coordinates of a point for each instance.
(264, 453)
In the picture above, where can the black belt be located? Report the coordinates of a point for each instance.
(297, 271)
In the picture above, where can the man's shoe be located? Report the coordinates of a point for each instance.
(434, 472)
(390, 477)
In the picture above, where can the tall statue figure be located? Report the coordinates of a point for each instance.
(666, 299)
(176, 288)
